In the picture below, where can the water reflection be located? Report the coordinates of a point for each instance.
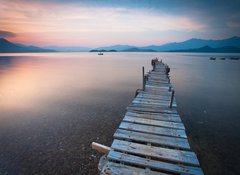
(52, 105)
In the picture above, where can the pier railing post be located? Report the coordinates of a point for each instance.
(171, 101)
(143, 79)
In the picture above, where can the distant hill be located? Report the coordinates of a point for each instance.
(193, 45)
(185, 45)
(68, 48)
(196, 43)
(9, 47)
(115, 47)
(136, 49)
(226, 49)
(94, 50)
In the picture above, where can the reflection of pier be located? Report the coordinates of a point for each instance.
(151, 139)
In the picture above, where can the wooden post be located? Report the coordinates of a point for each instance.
(171, 102)
(143, 79)
(169, 88)
(101, 148)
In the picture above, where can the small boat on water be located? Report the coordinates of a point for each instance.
(234, 58)
(212, 58)
(100, 53)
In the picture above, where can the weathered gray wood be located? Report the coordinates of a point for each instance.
(177, 156)
(154, 103)
(156, 84)
(180, 143)
(151, 100)
(153, 122)
(119, 169)
(153, 129)
(158, 165)
(152, 96)
(101, 148)
(161, 109)
(156, 92)
(156, 116)
(162, 106)
(143, 78)
(156, 87)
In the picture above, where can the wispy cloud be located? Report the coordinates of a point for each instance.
(105, 22)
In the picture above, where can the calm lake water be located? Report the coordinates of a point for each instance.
(53, 105)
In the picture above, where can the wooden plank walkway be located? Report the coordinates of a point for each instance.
(151, 139)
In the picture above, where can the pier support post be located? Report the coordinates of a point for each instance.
(143, 79)
(171, 101)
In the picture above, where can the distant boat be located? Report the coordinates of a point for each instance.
(100, 53)
(212, 58)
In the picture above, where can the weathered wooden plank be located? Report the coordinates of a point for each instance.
(150, 100)
(156, 93)
(163, 106)
(154, 103)
(153, 129)
(156, 75)
(158, 165)
(161, 109)
(180, 143)
(178, 156)
(157, 87)
(156, 116)
(161, 89)
(159, 81)
(153, 96)
(112, 168)
(153, 106)
(153, 122)
(157, 84)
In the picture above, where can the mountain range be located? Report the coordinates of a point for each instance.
(9, 47)
(178, 46)
(225, 49)
(68, 48)
(193, 45)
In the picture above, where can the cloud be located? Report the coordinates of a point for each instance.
(7, 34)
(125, 21)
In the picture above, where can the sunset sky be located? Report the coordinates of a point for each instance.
(93, 23)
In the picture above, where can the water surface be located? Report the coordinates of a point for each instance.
(53, 105)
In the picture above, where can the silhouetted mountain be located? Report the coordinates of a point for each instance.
(185, 45)
(68, 48)
(136, 49)
(94, 50)
(196, 43)
(9, 47)
(226, 49)
(115, 47)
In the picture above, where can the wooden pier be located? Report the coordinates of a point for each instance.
(151, 138)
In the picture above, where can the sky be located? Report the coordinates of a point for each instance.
(94, 23)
